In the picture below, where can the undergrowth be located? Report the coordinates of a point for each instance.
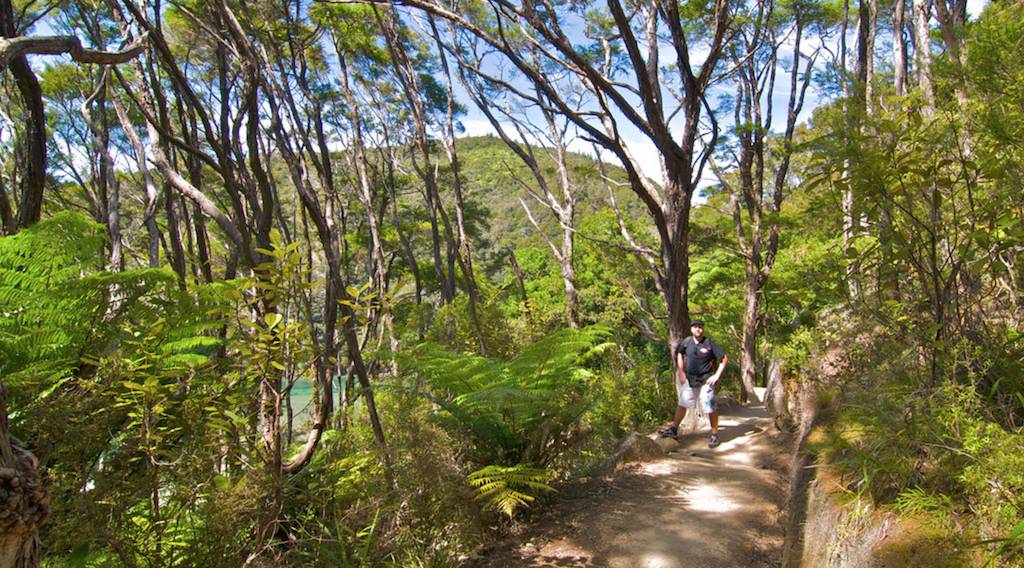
(931, 450)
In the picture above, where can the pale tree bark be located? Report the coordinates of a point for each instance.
(923, 54)
(887, 277)
(360, 163)
(868, 56)
(777, 397)
(422, 161)
(423, 164)
(149, 211)
(390, 166)
(899, 51)
(103, 167)
(464, 248)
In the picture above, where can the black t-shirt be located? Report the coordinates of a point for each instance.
(701, 358)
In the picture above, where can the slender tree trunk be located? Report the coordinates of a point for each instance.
(566, 212)
(403, 238)
(94, 111)
(195, 177)
(751, 328)
(869, 63)
(202, 245)
(176, 253)
(377, 259)
(421, 156)
(923, 54)
(899, 51)
(572, 303)
(149, 212)
(7, 221)
(464, 249)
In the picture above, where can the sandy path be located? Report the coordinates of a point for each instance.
(695, 507)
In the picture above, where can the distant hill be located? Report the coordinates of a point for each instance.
(497, 180)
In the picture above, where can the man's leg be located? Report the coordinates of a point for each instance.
(680, 414)
(685, 400)
(713, 440)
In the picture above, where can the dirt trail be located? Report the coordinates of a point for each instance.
(695, 507)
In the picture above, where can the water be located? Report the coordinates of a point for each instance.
(302, 404)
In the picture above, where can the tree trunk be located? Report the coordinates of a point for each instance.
(33, 182)
(751, 325)
(377, 259)
(923, 54)
(676, 261)
(149, 211)
(103, 166)
(24, 504)
(463, 247)
(7, 224)
(572, 303)
(776, 399)
(176, 254)
(899, 51)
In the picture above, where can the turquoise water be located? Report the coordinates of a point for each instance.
(302, 403)
(302, 398)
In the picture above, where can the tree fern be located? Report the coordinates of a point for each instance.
(60, 308)
(518, 410)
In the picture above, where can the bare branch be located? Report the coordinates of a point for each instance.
(71, 45)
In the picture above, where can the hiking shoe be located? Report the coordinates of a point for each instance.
(668, 432)
(713, 441)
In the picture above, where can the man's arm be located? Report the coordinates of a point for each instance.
(680, 367)
(718, 372)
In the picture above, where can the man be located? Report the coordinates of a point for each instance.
(699, 365)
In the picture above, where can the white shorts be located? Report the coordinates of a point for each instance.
(689, 396)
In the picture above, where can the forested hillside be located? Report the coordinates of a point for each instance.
(262, 304)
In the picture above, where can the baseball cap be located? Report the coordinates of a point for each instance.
(697, 322)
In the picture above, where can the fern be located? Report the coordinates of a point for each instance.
(59, 308)
(507, 489)
(519, 411)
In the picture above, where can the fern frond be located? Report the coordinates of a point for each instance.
(507, 406)
(508, 489)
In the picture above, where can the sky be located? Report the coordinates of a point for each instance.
(644, 152)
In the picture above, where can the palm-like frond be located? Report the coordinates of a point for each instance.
(510, 488)
(513, 410)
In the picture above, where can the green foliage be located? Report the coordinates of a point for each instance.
(525, 410)
(935, 457)
(359, 518)
(129, 363)
(509, 488)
